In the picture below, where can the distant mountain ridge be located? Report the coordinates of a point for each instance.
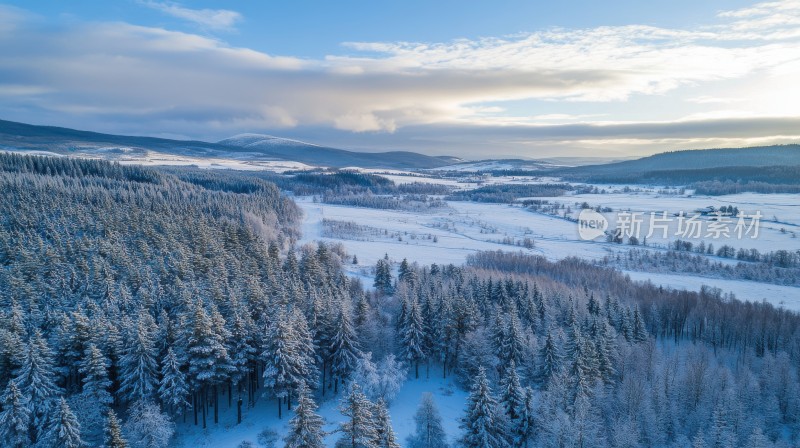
(249, 147)
(688, 160)
(709, 158)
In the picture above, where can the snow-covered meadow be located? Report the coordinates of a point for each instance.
(449, 399)
(449, 234)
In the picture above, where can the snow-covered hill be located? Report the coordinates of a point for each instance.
(242, 148)
(255, 141)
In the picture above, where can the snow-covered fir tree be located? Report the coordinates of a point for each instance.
(113, 437)
(64, 429)
(305, 427)
(94, 369)
(412, 336)
(385, 437)
(344, 348)
(359, 430)
(138, 365)
(429, 431)
(15, 418)
(481, 426)
(172, 389)
(36, 380)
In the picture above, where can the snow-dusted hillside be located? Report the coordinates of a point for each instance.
(498, 165)
(256, 141)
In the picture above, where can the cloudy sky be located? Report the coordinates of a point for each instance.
(473, 79)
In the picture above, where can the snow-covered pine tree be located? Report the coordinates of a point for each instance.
(412, 337)
(304, 349)
(549, 360)
(344, 348)
(15, 418)
(383, 276)
(513, 344)
(209, 362)
(113, 432)
(279, 358)
(242, 350)
(497, 334)
(523, 432)
(429, 432)
(512, 395)
(94, 369)
(407, 273)
(359, 430)
(291, 267)
(482, 428)
(173, 390)
(64, 430)
(138, 366)
(639, 330)
(402, 315)
(362, 311)
(305, 427)
(383, 426)
(36, 380)
(604, 343)
(583, 366)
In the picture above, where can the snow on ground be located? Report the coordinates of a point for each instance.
(243, 163)
(496, 165)
(781, 296)
(449, 398)
(30, 153)
(466, 227)
(779, 226)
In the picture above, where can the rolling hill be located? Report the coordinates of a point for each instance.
(763, 163)
(246, 147)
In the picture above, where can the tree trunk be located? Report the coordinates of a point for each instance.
(204, 406)
(280, 408)
(324, 372)
(216, 404)
(239, 410)
(194, 406)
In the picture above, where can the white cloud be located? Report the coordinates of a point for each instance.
(128, 78)
(216, 19)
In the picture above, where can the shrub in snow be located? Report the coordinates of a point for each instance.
(147, 426)
(381, 380)
(267, 438)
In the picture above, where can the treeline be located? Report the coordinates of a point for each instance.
(350, 182)
(76, 168)
(507, 193)
(304, 183)
(778, 258)
(409, 202)
(781, 178)
(719, 188)
(684, 262)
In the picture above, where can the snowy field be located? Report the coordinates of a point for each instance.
(449, 398)
(779, 223)
(448, 235)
